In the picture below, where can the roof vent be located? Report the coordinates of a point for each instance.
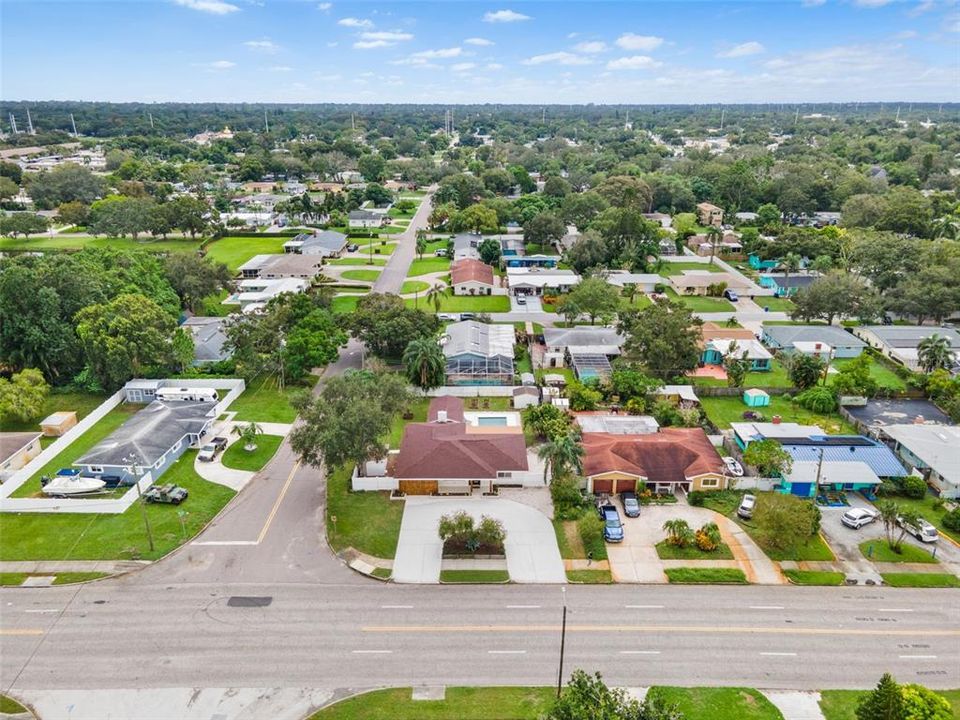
(919, 420)
(441, 416)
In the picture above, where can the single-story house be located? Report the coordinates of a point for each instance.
(804, 338)
(616, 423)
(709, 214)
(256, 293)
(696, 282)
(479, 353)
(531, 261)
(561, 345)
(447, 454)
(786, 285)
(717, 349)
(728, 244)
(209, 339)
(746, 216)
(365, 219)
(899, 342)
(465, 246)
(933, 451)
(525, 396)
(644, 282)
(151, 440)
(807, 478)
(16, 450)
(327, 243)
(272, 267)
(471, 277)
(666, 461)
(56, 424)
(757, 264)
(538, 281)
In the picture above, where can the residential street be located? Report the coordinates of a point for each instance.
(395, 271)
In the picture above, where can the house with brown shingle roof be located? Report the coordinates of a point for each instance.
(450, 455)
(471, 277)
(672, 459)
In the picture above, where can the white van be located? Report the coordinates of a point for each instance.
(188, 394)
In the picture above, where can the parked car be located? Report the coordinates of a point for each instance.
(169, 494)
(521, 300)
(631, 506)
(747, 503)
(612, 527)
(733, 467)
(451, 317)
(467, 316)
(856, 518)
(353, 247)
(440, 252)
(922, 531)
(731, 295)
(209, 451)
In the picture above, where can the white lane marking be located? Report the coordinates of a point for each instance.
(639, 652)
(396, 607)
(41, 611)
(372, 652)
(918, 657)
(644, 607)
(225, 542)
(779, 654)
(506, 652)
(766, 607)
(522, 607)
(894, 610)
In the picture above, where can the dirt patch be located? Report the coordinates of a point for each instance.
(572, 534)
(748, 699)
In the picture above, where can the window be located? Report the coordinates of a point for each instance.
(504, 474)
(710, 483)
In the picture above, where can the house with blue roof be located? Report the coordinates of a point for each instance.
(786, 285)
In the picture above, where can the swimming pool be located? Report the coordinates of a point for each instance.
(489, 420)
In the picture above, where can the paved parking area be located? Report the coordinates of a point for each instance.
(532, 305)
(531, 545)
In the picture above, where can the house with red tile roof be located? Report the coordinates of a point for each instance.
(471, 277)
(672, 459)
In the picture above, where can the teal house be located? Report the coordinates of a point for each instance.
(809, 479)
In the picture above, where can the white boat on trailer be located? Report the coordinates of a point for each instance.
(70, 483)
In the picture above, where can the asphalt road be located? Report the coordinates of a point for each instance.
(395, 271)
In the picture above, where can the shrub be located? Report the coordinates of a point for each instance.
(696, 498)
(708, 537)
(636, 406)
(920, 703)
(818, 399)
(951, 520)
(679, 533)
(583, 396)
(568, 502)
(913, 487)
(590, 528)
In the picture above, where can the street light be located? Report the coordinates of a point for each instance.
(563, 638)
(132, 459)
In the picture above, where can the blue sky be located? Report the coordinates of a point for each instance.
(514, 52)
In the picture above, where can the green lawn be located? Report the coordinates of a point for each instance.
(263, 401)
(723, 501)
(358, 261)
(640, 301)
(719, 703)
(677, 268)
(365, 275)
(474, 576)
(724, 410)
(813, 550)
(814, 577)
(535, 249)
(924, 507)
(79, 447)
(366, 521)
(10, 706)
(76, 536)
(345, 303)
(467, 303)
(428, 265)
(921, 580)
(590, 577)
(77, 577)
(879, 551)
(459, 703)
(79, 402)
(701, 303)
(842, 704)
(239, 459)
(711, 576)
(414, 286)
(884, 376)
(566, 372)
(9, 579)
(775, 304)
(72, 242)
(666, 551)
(212, 305)
(418, 408)
(235, 251)
(775, 377)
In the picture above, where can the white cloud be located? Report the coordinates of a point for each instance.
(812, 3)
(504, 16)
(388, 35)
(630, 41)
(906, 34)
(634, 62)
(479, 41)
(558, 58)
(329, 78)
(870, 4)
(214, 7)
(743, 50)
(262, 46)
(923, 7)
(370, 44)
(441, 53)
(463, 67)
(951, 23)
(494, 66)
(352, 22)
(281, 68)
(591, 46)
(324, 7)
(217, 65)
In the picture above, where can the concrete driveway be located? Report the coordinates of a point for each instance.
(635, 559)
(532, 304)
(531, 545)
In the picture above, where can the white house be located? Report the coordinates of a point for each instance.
(537, 281)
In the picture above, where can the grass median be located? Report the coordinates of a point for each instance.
(462, 703)
(236, 456)
(814, 577)
(706, 576)
(880, 551)
(666, 551)
(921, 580)
(474, 577)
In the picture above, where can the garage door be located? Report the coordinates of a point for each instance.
(602, 487)
(611, 487)
(801, 489)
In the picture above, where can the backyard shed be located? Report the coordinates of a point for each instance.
(58, 423)
(755, 397)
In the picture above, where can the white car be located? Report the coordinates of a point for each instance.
(733, 467)
(856, 518)
(922, 531)
(747, 503)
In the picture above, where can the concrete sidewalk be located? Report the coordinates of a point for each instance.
(52, 567)
(796, 704)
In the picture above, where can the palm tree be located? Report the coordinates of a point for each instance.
(629, 292)
(714, 237)
(248, 435)
(678, 532)
(421, 243)
(425, 363)
(435, 296)
(934, 353)
(947, 228)
(790, 263)
(561, 455)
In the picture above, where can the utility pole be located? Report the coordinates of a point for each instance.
(30, 124)
(563, 639)
(150, 115)
(266, 122)
(723, 115)
(74, 124)
(132, 459)
(13, 124)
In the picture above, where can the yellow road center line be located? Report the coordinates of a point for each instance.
(22, 631)
(276, 505)
(684, 629)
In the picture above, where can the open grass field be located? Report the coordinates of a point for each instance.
(698, 303)
(74, 242)
(719, 703)
(884, 376)
(76, 536)
(238, 458)
(723, 410)
(263, 401)
(776, 377)
(414, 286)
(235, 251)
(460, 703)
(678, 268)
(879, 551)
(428, 265)
(775, 304)
(813, 550)
(366, 521)
(57, 401)
(363, 275)
(842, 704)
(344, 303)
(467, 303)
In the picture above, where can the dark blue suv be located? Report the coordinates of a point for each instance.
(612, 527)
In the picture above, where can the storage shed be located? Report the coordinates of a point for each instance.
(754, 397)
(58, 423)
